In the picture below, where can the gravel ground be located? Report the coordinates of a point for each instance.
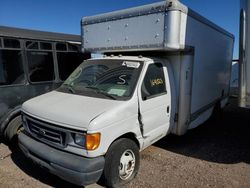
(216, 154)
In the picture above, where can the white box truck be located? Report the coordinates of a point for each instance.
(244, 55)
(170, 69)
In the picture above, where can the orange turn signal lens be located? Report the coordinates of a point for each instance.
(92, 141)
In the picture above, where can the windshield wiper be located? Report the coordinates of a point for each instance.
(99, 91)
(107, 95)
(92, 87)
(69, 87)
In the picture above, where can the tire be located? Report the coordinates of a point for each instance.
(114, 172)
(13, 128)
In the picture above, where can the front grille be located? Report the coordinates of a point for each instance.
(46, 133)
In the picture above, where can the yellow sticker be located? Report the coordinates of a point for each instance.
(156, 82)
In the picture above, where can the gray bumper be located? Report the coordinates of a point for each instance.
(73, 168)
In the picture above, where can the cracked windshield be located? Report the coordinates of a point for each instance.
(113, 79)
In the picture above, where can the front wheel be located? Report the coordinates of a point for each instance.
(13, 129)
(121, 163)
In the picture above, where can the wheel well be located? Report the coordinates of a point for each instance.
(130, 136)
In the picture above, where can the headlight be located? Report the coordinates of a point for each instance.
(80, 139)
(88, 141)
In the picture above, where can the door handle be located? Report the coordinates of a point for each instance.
(168, 109)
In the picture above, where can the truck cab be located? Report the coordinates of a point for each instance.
(103, 100)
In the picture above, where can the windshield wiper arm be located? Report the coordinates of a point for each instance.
(92, 87)
(101, 92)
(69, 87)
(107, 94)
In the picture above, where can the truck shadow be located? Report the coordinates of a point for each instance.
(37, 172)
(224, 141)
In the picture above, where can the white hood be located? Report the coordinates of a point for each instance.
(73, 111)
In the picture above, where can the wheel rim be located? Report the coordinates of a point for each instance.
(127, 164)
(21, 128)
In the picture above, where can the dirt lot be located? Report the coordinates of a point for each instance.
(217, 154)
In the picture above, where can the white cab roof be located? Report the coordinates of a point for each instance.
(127, 58)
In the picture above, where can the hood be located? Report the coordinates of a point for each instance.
(72, 111)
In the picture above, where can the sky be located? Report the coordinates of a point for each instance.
(64, 15)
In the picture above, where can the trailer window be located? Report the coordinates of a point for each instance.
(11, 43)
(154, 81)
(11, 67)
(73, 47)
(68, 62)
(61, 47)
(31, 45)
(45, 46)
(41, 66)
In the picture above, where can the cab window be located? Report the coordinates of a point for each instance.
(154, 82)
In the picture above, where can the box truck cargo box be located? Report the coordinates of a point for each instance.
(175, 33)
(169, 70)
(167, 26)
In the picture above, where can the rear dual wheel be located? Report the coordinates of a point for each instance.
(121, 163)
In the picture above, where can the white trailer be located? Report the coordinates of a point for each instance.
(244, 55)
(169, 70)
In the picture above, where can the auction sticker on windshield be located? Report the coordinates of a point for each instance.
(131, 64)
